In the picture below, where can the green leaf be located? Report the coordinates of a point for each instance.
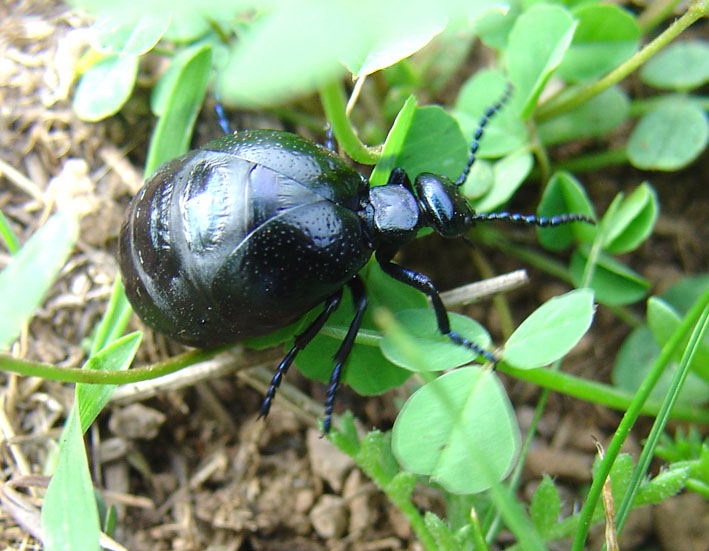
(613, 282)
(173, 132)
(565, 194)
(632, 222)
(277, 60)
(375, 455)
(188, 27)
(173, 77)
(90, 399)
(683, 294)
(681, 66)
(394, 143)
(551, 330)
(606, 36)
(621, 474)
(114, 320)
(494, 27)
(27, 278)
(424, 348)
(105, 87)
(480, 180)
(440, 532)
(663, 320)
(123, 37)
(460, 430)
(345, 436)
(599, 115)
(400, 42)
(69, 515)
(11, 242)
(505, 132)
(669, 137)
(537, 43)
(433, 143)
(401, 486)
(634, 361)
(509, 173)
(662, 487)
(545, 506)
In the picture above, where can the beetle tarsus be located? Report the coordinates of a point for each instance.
(456, 338)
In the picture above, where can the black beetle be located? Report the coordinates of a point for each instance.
(248, 233)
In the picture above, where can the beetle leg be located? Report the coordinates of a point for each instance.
(425, 285)
(301, 341)
(359, 299)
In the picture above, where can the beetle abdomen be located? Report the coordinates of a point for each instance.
(216, 248)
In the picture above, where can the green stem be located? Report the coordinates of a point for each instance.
(540, 152)
(695, 11)
(594, 161)
(334, 103)
(634, 410)
(597, 393)
(74, 375)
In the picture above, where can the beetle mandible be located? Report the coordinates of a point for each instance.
(251, 231)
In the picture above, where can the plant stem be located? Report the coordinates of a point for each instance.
(695, 11)
(594, 161)
(333, 101)
(92, 376)
(597, 393)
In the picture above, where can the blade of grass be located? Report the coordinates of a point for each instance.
(631, 416)
(661, 422)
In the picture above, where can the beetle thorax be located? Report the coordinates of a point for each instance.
(393, 215)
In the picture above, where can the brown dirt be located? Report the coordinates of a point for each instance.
(190, 467)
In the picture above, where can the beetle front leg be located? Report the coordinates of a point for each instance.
(425, 285)
(359, 299)
(301, 341)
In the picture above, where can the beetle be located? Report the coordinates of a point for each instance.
(248, 233)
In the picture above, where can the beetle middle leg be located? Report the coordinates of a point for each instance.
(301, 341)
(425, 285)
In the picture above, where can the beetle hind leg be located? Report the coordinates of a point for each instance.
(301, 341)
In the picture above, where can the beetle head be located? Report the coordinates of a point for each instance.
(442, 205)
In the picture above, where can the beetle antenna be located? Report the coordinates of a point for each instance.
(531, 220)
(489, 112)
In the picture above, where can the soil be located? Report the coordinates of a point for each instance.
(186, 461)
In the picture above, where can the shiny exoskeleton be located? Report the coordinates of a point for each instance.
(248, 233)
